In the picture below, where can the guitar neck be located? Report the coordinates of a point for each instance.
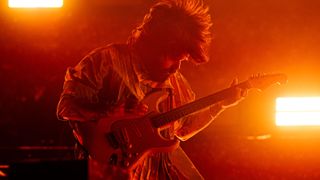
(187, 109)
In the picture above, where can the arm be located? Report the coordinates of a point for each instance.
(79, 98)
(195, 123)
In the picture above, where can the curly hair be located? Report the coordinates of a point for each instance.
(176, 26)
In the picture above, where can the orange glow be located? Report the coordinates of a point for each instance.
(298, 111)
(35, 3)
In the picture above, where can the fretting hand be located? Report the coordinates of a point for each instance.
(237, 95)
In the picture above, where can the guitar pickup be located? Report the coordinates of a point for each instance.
(111, 138)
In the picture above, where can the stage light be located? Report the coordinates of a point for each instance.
(298, 111)
(35, 3)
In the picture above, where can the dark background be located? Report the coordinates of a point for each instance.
(266, 36)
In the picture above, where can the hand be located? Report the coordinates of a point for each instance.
(139, 109)
(237, 95)
(120, 110)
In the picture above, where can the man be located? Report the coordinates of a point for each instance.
(112, 82)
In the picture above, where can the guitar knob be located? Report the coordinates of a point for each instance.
(127, 155)
(125, 163)
(113, 159)
(129, 145)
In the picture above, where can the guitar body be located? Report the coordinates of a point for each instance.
(126, 141)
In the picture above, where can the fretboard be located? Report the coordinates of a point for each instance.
(197, 105)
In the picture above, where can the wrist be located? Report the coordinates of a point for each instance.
(216, 108)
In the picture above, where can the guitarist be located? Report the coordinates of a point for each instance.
(113, 80)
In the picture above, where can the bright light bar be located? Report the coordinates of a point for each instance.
(35, 3)
(298, 111)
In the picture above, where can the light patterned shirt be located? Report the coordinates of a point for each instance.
(109, 76)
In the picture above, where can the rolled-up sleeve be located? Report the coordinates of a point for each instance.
(81, 87)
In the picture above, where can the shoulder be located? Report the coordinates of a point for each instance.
(108, 49)
(106, 54)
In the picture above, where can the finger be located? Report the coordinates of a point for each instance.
(140, 109)
(143, 107)
(244, 92)
(241, 93)
(234, 82)
(117, 110)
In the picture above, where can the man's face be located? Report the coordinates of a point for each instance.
(161, 68)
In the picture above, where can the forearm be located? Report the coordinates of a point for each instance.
(69, 109)
(195, 123)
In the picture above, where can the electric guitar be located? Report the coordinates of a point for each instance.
(125, 142)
